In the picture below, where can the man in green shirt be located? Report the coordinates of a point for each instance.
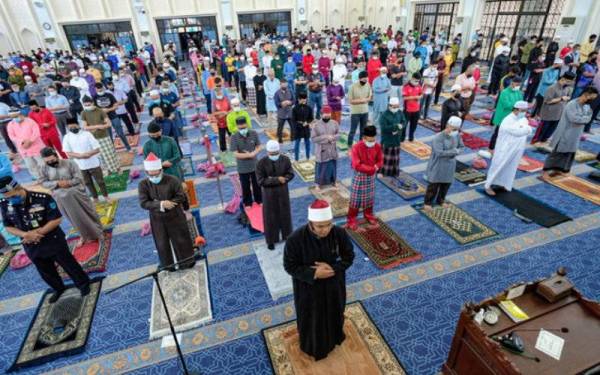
(526, 50)
(359, 96)
(165, 148)
(506, 102)
(277, 66)
(236, 111)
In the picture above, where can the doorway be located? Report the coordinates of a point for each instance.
(186, 32)
(253, 25)
(94, 34)
(438, 18)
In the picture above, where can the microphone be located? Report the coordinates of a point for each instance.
(563, 330)
(194, 257)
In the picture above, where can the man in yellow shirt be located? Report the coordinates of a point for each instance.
(229, 60)
(587, 48)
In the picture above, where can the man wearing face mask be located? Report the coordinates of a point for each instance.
(325, 134)
(107, 102)
(47, 124)
(163, 196)
(554, 101)
(512, 138)
(412, 93)
(64, 180)
(235, 113)
(359, 96)
(452, 106)
(35, 218)
(273, 173)
(381, 94)
(504, 106)
(165, 148)
(284, 100)
(80, 83)
(392, 126)
(59, 106)
(25, 135)
(221, 108)
(261, 98)
(366, 158)
(35, 91)
(245, 145)
(442, 163)
(96, 121)
(289, 73)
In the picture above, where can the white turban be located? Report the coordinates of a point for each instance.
(521, 104)
(456, 87)
(272, 146)
(454, 121)
(394, 100)
(235, 102)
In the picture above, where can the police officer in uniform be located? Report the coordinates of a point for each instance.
(35, 218)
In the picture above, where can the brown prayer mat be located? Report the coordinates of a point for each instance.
(337, 196)
(417, 149)
(578, 186)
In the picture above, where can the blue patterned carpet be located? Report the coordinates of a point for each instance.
(417, 319)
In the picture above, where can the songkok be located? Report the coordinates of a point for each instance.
(272, 146)
(154, 127)
(152, 163)
(363, 74)
(394, 100)
(154, 93)
(320, 210)
(240, 120)
(370, 131)
(326, 109)
(455, 87)
(8, 183)
(235, 102)
(521, 104)
(454, 121)
(558, 60)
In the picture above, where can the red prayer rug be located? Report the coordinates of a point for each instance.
(93, 256)
(255, 216)
(528, 164)
(133, 141)
(384, 246)
(191, 194)
(474, 142)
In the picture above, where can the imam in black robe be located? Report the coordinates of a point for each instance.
(499, 70)
(277, 214)
(261, 98)
(168, 227)
(319, 303)
(451, 107)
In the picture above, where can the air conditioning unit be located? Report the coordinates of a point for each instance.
(571, 28)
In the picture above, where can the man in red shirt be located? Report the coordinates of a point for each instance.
(307, 62)
(367, 159)
(47, 123)
(373, 67)
(412, 93)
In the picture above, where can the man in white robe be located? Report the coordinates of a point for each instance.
(512, 137)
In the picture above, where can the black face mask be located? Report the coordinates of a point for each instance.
(457, 95)
(52, 164)
(362, 82)
(325, 119)
(74, 130)
(157, 139)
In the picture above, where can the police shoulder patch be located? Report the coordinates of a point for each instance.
(52, 205)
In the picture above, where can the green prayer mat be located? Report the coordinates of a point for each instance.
(305, 169)
(342, 143)
(595, 164)
(461, 226)
(5, 260)
(227, 159)
(116, 183)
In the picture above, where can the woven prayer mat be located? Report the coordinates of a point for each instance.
(473, 142)
(342, 142)
(106, 212)
(188, 300)
(594, 138)
(192, 227)
(384, 246)
(126, 158)
(278, 281)
(527, 164)
(584, 156)
(37, 188)
(468, 175)
(461, 226)
(227, 159)
(116, 182)
(186, 148)
(337, 196)
(595, 164)
(417, 149)
(187, 165)
(272, 134)
(191, 194)
(5, 260)
(364, 351)
(431, 124)
(578, 186)
(404, 185)
(305, 169)
(133, 141)
(436, 107)
(92, 256)
(59, 329)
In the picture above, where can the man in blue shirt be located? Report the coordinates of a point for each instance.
(59, 106)
(289, 73)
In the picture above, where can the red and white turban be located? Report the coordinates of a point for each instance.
(320, 210)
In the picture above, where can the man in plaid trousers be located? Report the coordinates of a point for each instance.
(367, 159)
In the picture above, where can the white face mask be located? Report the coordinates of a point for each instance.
(454, 133)
(370, 144)
(236, 108)
(517, 88)
(394, 110)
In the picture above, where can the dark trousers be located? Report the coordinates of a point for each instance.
(438, 89)
(244, 90)
(494, 137)
(425, 102)
(357, 120)
(125, 118)
(47, 268)
(4, 132)
(132, 106)
(280, 123)
(546, 131)
(208, 103)
(437, 191)
(223, 138)
(247, 179)
(595, 110)
(89, 175)
(412, 121)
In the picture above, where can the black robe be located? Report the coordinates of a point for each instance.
(499, 70)
(302, 114)
(277, 215)
(319, 303)
(450, 107)
(261, 98)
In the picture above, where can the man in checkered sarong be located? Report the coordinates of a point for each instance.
(367, 159)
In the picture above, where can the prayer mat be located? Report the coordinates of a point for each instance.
(384, 246)
(191, 194)
(192, 227)
(93, 256)
(197, 221)
(417, 149)
(278, 281)
(595, 164)
(594, 138)
(542, 149)
(342, 142)
(578, 186)
(5, 260)
(337, 196)
(227, 159)
(431, 124)
(461, 226)
(255, 216)
(436, 107)
(404, 185)
(584, 156)
(186, 148)
(272, 134)
(188, 300)
(468, 175)
(527, 164)
(59, 329)
(528, 207)
(133, 141)
(116, 182)
(38, 189)
(305, 169)
(106, 212)
(187, 165)
(474, 142)
(126, 158)
(364, 351)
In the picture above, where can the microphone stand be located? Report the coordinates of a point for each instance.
(154, 275)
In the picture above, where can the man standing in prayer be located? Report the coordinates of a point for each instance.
(565, 140)
(47, 125)
(163, 196)
(325, 135)
(245, 145)
(272, 85)
(504, 106)
(35, 218)
(95, 120)
(273, 173)
(25, 134)
(512, 138)
(63, 179)
(165, 148)
(381, 94)
(235, 113)
(284, 100)
(442, 163)
(555, 99)
(452, 106)
(302, 117)
(367, 159)
(392, 126)
(359, 96)
(317, 256)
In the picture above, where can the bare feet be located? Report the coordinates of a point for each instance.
(489, 191)
(427, 208)
(445, 205)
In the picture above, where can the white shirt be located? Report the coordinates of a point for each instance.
(266, 61)
(250, 72)
(82, 142)
(82, 86)
(429, 76)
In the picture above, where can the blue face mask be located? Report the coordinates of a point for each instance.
(18, 119)
(244, 132)
(16, 200)
(155, 179)
(274, 157)
(521, 115)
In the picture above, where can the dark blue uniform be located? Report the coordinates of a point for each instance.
(34, 212)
